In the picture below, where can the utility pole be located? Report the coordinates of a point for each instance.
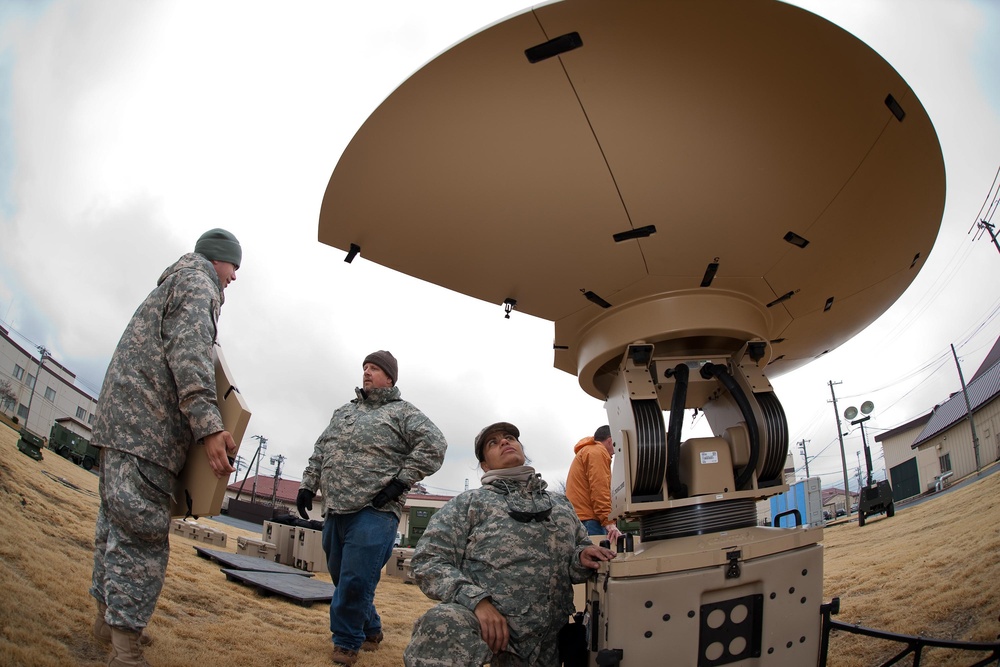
(989, 230)
(261, 447)
(968, 408)
(860, 483)
(277, 476)
(239, 463)
(843, 456)
(805, 455)
(42, 355)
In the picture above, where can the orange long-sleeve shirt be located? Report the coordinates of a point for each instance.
(588, 485)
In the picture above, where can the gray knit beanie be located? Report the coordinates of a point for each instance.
(219, 245)
(384, 360)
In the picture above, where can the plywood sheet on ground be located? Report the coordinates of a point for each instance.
(243, 562)
(303, 590)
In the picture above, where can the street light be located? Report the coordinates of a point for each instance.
(873, 497)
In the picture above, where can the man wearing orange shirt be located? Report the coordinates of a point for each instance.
(588, 485)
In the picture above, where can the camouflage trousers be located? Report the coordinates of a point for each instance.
(132, 539)
(448, 635)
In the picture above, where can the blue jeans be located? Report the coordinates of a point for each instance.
(357, 547)
(594, 527)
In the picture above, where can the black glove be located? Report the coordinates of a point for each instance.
(394, 489)
(305, 502)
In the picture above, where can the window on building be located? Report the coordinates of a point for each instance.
(945, 462)
(90, 419)
(81, 414)
(18, 372)
(31, 381)
(50, 394)
(7, 404)
(22, 411)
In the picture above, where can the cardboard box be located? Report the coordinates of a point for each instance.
(200, 492)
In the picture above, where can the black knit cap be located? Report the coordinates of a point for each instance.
(499, 427)
(219, 245)
(384, 360)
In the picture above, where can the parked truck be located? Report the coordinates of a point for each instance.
(73, 446)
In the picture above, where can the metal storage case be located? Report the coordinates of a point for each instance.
(308, 551)
(256, 548)
(282, 536)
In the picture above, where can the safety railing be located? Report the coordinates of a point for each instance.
(913, 645)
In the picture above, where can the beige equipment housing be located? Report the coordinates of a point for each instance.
(199, 491)
(700, 196)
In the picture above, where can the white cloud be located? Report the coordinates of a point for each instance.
(134, 127)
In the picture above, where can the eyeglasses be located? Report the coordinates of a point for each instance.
(528, 517)
(522, 516)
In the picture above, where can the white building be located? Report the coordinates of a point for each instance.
(44, 390)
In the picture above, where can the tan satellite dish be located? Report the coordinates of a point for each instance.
(867, 407)
(850, 413)
(695, 175)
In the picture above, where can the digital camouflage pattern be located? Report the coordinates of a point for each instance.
(159, 394)
(375, 437)
(158, 398)
(473, 549)
(130, 564)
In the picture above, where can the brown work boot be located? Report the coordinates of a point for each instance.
(344, 656)
(372, 642)
(102, 631)
(126, 649)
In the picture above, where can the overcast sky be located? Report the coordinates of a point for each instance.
(127, 129)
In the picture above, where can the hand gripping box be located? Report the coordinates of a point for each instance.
(200, 492)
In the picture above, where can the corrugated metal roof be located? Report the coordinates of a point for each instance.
(288, 489)
(983, 389)
(989, 362)
(919, 421)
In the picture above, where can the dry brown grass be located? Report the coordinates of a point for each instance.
(932, 569)
(46, 612)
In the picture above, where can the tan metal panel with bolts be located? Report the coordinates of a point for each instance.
(675, 599)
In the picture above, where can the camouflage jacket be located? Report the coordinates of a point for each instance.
(472, 549)
(375, 437)
(159, 395)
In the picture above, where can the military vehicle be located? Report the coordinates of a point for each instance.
(73, 446)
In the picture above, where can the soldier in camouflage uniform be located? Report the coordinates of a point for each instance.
(158, 399)
(502, 559)
(375, 448)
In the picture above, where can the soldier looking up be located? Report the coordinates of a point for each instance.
(502, 559)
